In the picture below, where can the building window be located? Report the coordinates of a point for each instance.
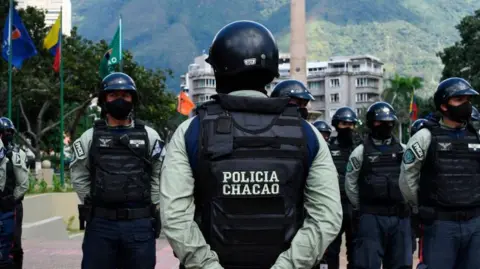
(210, 82)
(361, 97)
(332, 112)
(359, 112)
(335, 98)
(334, 83)
(314, 85)
(366, 82)
(356, 67)
(320, 98)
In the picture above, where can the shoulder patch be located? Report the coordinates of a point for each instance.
(2, 153)
(349, 167)
(418, 150)
(157, 149)
(408, 157)
(78, 148)
(17, 160)
(355, 163)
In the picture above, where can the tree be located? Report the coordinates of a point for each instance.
(36, 85)
(463, 58)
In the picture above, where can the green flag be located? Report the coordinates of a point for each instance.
(113, 56)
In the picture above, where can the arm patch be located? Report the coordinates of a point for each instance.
(78, 149)
(418, 150)
(157, 149)
(355, 163)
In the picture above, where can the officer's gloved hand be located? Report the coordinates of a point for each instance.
(416, 225)
(8, 203)
(156, 222)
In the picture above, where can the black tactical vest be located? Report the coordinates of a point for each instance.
(11, 179)
(340, 157)
(450, 176)
(250, 179)
(120, 172)
(378, 180)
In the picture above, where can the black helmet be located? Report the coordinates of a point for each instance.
(417, 125)
(6, 124)
(380, 111)
(292, 88)
(345, 114)
(452, 87)
(243, 46)
(475, 114)
(118, 82)
(322, 126)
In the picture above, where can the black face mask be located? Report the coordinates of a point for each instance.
(119, 108)
(461, 113)
(345, 136)
(303, 113)
(382, 131)
(7, 139)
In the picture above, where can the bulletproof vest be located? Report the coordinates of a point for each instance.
(11, 179)
(340, 157)
(450, 176)
(250, 180)
(120, 170)
(378, 180)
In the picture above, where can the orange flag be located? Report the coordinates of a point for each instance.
(185, 104)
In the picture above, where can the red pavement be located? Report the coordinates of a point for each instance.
(68, 255)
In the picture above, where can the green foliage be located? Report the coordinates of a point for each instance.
(405, 34)
(463, 58)
(37, 186)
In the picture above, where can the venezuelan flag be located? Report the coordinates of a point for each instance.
(413, 108)
(52, 42)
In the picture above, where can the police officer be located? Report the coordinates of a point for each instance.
(384, 232)
(341, 146)
(116, 172)
(324, 129)
(441, 177)
(298, 93)
(248, 183)
(17, 184)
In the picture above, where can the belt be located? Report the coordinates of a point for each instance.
(401, 210)
(461, 215)
(122, 213)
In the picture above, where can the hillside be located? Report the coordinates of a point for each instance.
(405, 34)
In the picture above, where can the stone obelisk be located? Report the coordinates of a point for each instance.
(298, 41)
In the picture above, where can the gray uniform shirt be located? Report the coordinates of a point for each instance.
(177, 207)
(3, 166)
(354, 167)
(413, 159)
(80, 170)
(19, 161)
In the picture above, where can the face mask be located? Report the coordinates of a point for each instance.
(382, 131)
(303, 113)
(119, 108)
(461, 113)
(345, 135)
(7, 139)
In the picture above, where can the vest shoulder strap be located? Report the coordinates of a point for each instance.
(139, 124)
(100, 123)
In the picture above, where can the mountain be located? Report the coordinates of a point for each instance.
(405, 34)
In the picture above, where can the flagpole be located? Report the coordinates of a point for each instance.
(62, 155)
(121, 43)
(10, 55)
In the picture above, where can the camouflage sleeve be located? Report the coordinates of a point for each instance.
(21, 173)
(156, 147)
(177, 206)
(79, 167)
(413, 158)
(323, 220)
(354, 166)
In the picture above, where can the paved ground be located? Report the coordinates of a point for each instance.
(68, 255)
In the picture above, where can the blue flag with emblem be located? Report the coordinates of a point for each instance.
(22, 45)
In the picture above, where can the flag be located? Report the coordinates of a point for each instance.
(52, 42)
(22, 45)
(185, 105)
(113, 56)
(413, 108)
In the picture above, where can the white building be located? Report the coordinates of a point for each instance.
(53, 10)
(354, 81)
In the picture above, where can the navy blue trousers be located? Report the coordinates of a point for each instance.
(7, 229)
(111, 244)
(383, 240)
(451, 245)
